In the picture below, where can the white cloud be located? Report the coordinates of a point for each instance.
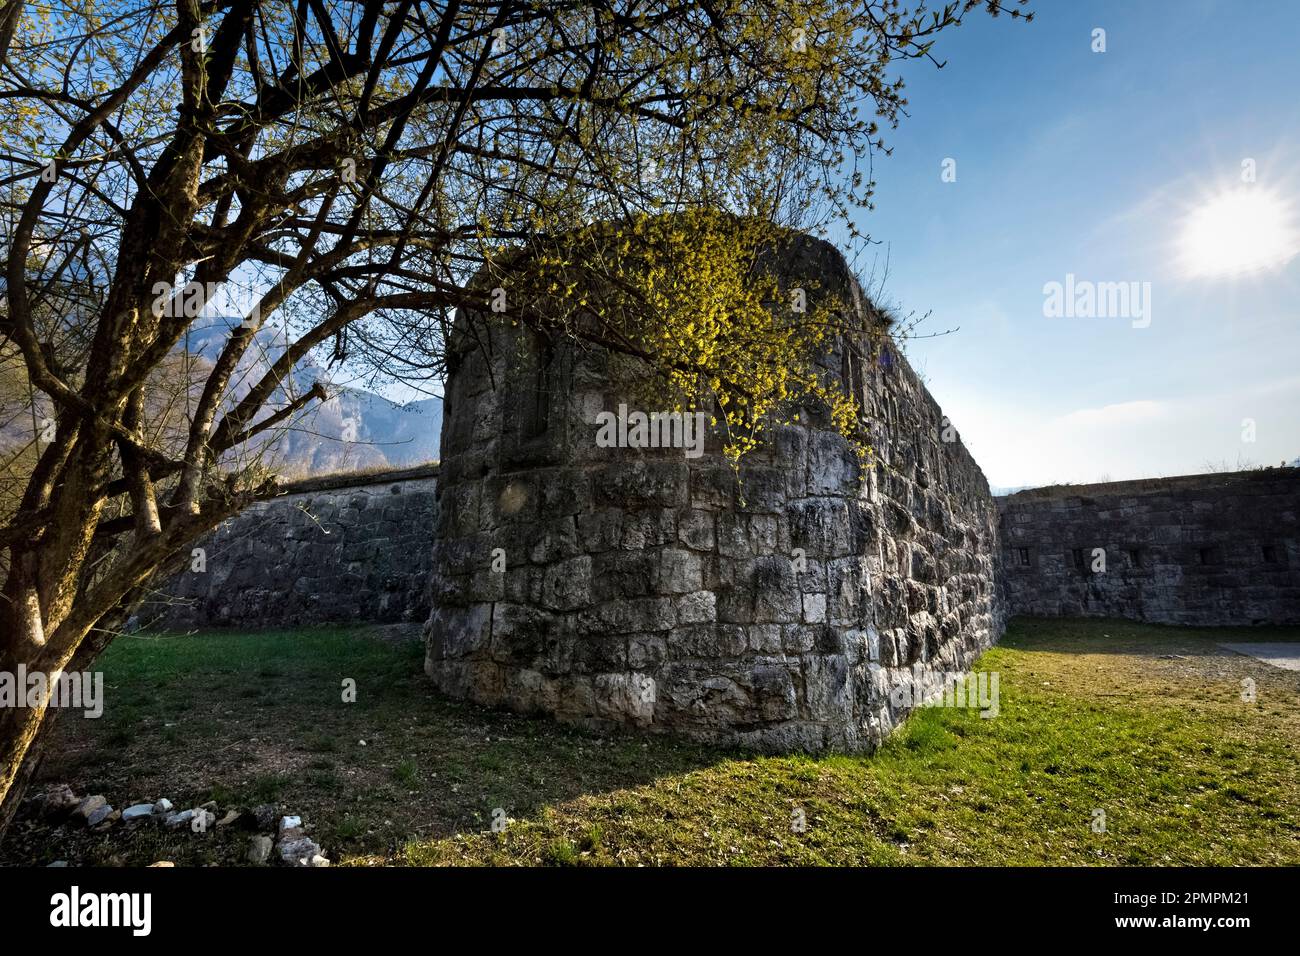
(1114, 416)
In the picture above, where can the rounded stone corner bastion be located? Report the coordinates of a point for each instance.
(638, 586)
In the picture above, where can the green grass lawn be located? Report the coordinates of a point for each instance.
(1144, 724)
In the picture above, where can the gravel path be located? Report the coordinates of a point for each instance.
(1286, 655)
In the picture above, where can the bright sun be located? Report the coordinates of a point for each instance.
(1239, 231)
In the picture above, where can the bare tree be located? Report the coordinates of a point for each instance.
(351, 167)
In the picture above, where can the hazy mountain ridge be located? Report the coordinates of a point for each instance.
(357, 429)
(353, 429)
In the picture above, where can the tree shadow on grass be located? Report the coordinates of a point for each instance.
(327, 723)
(1098, 635)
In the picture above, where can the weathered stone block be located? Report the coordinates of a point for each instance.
(625, 697)
(600, 530)
(459, 634)
(706, 642)
(829, 696)
(680, 571)
(699, 607)
(642, 483)
(814, 608)
(774, 692)
(764, 639)
(566, 586)
(832, 466)
(626, 616)
(695, 529)
(553, 539)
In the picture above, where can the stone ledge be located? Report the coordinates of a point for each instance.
(354, 480)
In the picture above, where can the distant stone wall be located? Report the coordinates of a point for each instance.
(1200, 550)
(797, 609)
(351, 548)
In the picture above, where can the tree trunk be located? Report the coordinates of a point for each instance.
(23, 732)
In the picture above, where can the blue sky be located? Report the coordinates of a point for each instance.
(1075, 162)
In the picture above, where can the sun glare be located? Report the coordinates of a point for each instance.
(1240, 231)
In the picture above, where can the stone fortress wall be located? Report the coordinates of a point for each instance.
(1221, 549)
(804, 604)
(327, 550)
(643, 587)
(1217, 549)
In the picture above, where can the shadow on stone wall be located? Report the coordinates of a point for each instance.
(339, 549)
(1210, 550)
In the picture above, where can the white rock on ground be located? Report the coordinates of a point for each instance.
(59, 802)
(259, 849)
(163, 806)
(98, 815)
(299, 851)
(179, 819)
(290, 823)
(89, 805)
